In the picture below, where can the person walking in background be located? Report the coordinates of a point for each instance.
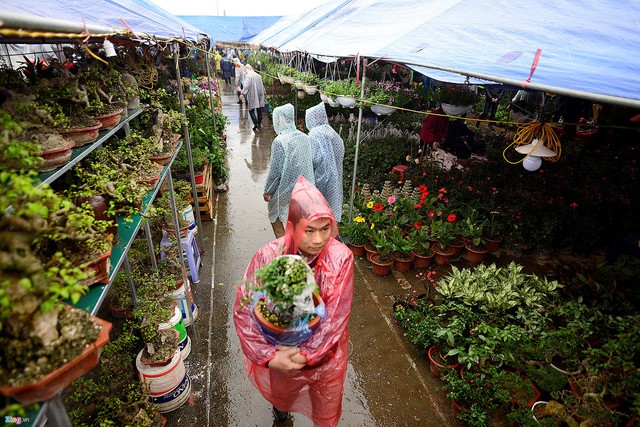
(216, 59)
(291, 157)
(308, 379)
(239, 73)
(253, 93)
(227, 70)
(492, 97)
(328, 156)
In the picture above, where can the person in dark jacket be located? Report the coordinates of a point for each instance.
(459, 139)
(492, 97)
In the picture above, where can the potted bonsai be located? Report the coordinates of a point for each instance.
(114, 397)
(282, 295)
(42, 356)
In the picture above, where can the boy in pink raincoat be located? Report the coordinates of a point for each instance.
(308, 379)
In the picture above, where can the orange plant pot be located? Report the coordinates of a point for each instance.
(59, 379)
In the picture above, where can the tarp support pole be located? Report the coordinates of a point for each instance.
(607, 99)
(187, 143)
(355, 157)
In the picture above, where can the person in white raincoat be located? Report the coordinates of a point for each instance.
(328, 156)
(240, 73)
(253, 92)
(291, 157)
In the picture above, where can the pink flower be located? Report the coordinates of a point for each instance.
(391, 200)
(432, 214)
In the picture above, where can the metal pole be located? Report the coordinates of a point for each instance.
(176, 224)
(31, 22)
(213, 112)
(56, 413)
(355, 160)
(187, 141)
(152, 252)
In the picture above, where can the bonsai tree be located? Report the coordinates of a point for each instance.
(32, 290)
(114, 397)
(155, 306)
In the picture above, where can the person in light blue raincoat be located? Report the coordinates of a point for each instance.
(291, 156)
(328, 156)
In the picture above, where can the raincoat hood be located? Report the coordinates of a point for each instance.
(307, 205)
(316, 116)
(283, 121)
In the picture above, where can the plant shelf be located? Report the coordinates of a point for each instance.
(127, 230)
(81, 152)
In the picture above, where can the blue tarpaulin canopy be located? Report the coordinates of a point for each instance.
(140, 15)
(230, 28)
(590, 49)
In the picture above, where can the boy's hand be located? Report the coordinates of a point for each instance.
(284, 362)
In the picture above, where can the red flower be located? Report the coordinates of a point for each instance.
(443, 190)
(451, 218)
(417, 225)
(574, 205)
(422, 188)
(418, 206)
(378, 207)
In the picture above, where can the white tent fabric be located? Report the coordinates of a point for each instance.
(140, 15)
(590, 49)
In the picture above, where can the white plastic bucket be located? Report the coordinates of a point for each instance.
(177, 323)
(187, 215)
(169, 386)
(178, 296)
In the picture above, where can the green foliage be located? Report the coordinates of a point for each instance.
(497, 290)
(457, 95)
(16, 153)
(282, 280)
(356, 230)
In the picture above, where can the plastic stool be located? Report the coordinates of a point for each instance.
(190, 251)
(400, 170)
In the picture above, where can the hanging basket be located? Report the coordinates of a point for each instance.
(311, 89)
(346, 101)
(455, 110)
(382, 110)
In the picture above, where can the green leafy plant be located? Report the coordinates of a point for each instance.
(356, 230)
(457, 95)
(419, 239)
(497, 290)
(281, 286)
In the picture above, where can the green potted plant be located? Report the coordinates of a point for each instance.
(40, 358)
(402, 249)
(381, 260)
(445, 233)
(282, 295)
(419, 239)
(114, 397)
(356, 233)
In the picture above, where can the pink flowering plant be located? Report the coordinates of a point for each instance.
(389, 93)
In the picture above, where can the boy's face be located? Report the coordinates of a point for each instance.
(315, 236)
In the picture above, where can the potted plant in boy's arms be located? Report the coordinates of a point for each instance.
(283, 296)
